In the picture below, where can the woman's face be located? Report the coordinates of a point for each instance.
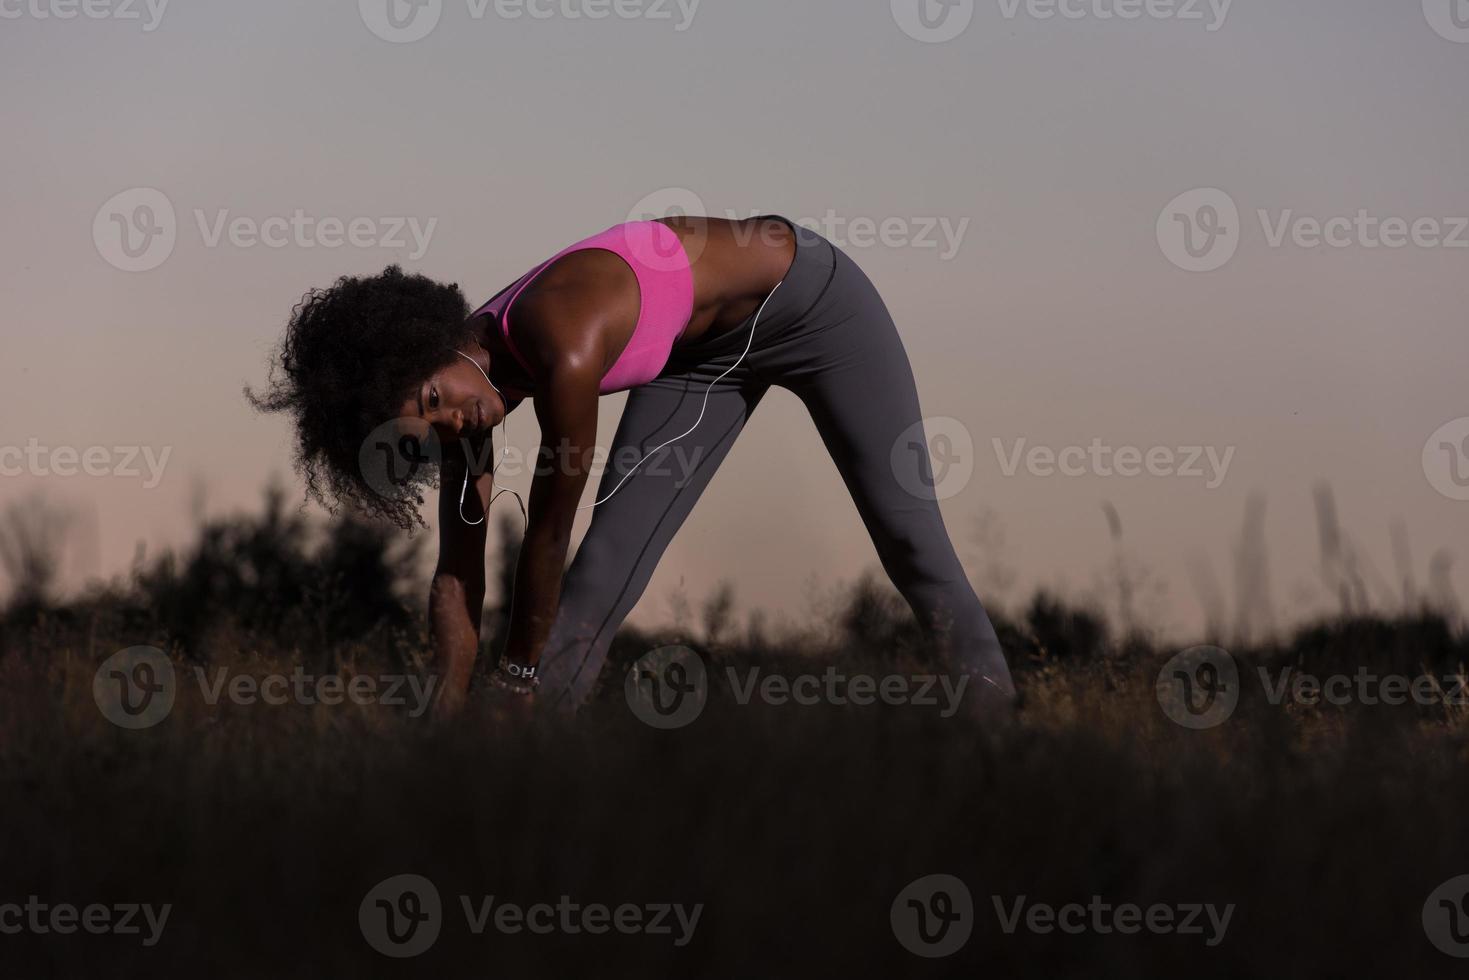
(458, 399)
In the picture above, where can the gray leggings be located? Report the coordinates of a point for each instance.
(826, 336)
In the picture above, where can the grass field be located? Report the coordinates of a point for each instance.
(792, 829)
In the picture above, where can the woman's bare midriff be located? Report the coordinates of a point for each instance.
(735, 265)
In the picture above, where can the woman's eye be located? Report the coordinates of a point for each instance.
(433, 398)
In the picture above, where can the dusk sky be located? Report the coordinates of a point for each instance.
(1103, 238)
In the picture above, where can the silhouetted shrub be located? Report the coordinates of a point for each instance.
(1062, 632)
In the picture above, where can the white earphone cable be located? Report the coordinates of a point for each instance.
(504, 448)
(702, 407)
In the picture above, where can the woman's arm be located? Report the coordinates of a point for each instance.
(566, 405)
(457, 596)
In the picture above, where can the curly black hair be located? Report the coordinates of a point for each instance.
(351, 355)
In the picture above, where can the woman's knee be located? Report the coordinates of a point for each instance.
(921, 558)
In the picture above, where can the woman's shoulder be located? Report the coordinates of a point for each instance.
(573, 303)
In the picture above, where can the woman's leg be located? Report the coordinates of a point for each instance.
(858, 386)
(629, 532)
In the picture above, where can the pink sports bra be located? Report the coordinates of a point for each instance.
(657, 257)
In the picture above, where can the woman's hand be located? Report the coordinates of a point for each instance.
(509, 700)
(512, 699)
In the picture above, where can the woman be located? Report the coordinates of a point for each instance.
(698, 317)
